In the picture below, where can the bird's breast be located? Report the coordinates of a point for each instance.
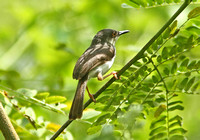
(101, 69)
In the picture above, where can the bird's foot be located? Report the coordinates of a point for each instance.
(114, 73)
(92, 97)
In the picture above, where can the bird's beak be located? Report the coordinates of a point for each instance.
(123, 32)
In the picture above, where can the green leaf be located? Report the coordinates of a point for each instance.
(173, 50)
(158, 122)
(193, 89)
(197, 40)
(157, 91)
(109, 91)
(180, 41)
(158, 136)
(169, 1)
(178, 137)
(195, 30)
(166, 34)
(173, 27)
(183, 83)
(145, 88)
(177, 107)
(103, 99)
(160, 100)
(149, 69)
(190, 42)
(149, 102)
(159, 59)
(176, 118)
(178, 130)
(194, 13)
(118, 133)
(174, 124)
(172, 96)
(144, 59)
(99, 107)
(141, 72)
(138, 64)
(143, 3)
(184, 64)
(189, 84)
(180, 48)
(90, 113)
(166, 71)
(177, 1)
(187, 74)
(54, 99)
(117, 100)
(174, 68)
(175, 33)
(151, 2)
(160, 2)
(165, 53)
(157, 130)
(150, 51)
(174, 84)
(42, 95)
(175, 102)
(132, 69)
(155, 79)
(27, 92)
(159, 41)
(132, 3)
(154, 46)
(102, 120)
(93, 129)
(192, 64)
(182, 57)
(197, 65)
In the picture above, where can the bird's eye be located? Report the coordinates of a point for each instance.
(114, 34)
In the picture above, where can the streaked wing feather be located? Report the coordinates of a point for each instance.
(91, 58)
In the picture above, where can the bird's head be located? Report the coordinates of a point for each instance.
(107, 36)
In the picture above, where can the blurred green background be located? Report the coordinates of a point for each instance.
(40, 42)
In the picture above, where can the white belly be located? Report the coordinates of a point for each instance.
(101, 69)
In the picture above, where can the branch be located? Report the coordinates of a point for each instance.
(133, 60)
(6, 126)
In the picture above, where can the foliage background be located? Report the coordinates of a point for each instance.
(41, 41)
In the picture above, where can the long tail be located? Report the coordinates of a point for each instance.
(77, 105)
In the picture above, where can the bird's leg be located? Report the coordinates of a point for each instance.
(90, 95)
(114, 73)
(100, 76)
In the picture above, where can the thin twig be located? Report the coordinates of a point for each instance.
(6, 126)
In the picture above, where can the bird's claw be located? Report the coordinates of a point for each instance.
(114, 73)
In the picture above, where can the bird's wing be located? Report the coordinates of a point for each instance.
(94, 56)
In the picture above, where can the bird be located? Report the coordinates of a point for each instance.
(94, 62)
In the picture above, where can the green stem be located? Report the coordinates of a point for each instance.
(167, 92)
